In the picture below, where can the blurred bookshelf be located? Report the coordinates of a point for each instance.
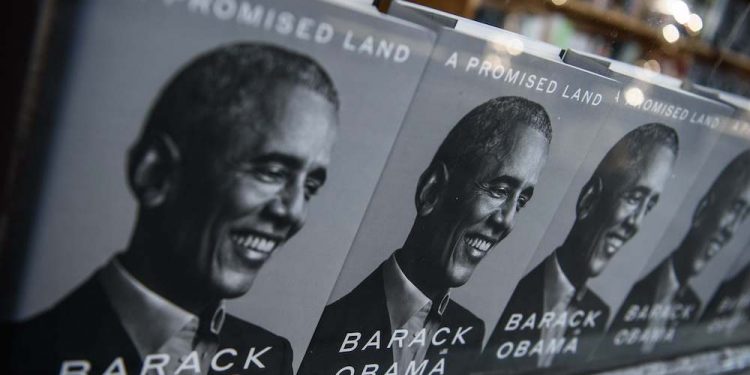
(706, 42)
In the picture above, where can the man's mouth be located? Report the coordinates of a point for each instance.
(714, 246)
(613, 243)
(478, 245)
(255, 246)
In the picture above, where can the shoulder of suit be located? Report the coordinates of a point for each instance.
(83, 304)
(457, 312)
(596, 302)
(368, 292)
(239, 328)
(691, 297)
(533, 279)
(643, 287)
(527, 294)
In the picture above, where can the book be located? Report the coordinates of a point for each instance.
(495, 134)
(189, 142)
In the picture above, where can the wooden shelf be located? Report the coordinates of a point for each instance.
(610, 24)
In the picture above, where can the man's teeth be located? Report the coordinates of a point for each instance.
(254, 242)
(611, 249)
(480, 244)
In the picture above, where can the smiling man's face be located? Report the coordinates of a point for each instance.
(717, 219)
(629, 192)
(477, 208)
(246, 193)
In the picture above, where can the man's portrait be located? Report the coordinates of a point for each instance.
(401, 317)
(233, 149)
(552, 313)
(727, 313)
(663, 301)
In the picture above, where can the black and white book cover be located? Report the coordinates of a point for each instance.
(488, 148)
(638, 285)
(724, 285)
(726, 317)
(634, 177)
(190, 142)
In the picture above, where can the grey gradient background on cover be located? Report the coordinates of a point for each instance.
(696, 141)
(122, 52)
(444, 96)
(727, 148)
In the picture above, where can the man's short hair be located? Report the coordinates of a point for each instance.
(227, 85)
(637, 145)
(736, 173)
(486, 129)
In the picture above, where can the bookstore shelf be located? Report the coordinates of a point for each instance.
(611, 24)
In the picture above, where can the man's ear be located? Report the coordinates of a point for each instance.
(431, 184)
(589, 197)
(152, 166)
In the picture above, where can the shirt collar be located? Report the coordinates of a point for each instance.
(667, 285)
(138, 308)
(557, 287)
(402, 297)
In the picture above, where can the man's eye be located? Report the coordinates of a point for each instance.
(270, 173)
(311, 188)
(633, 197)
(498, 192)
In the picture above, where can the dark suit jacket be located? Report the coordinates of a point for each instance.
(528, 299)
(643, 293)
(728, 290)
(83, 326)
(364, 310)
(724, 312)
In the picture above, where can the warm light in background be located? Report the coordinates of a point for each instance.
(670, 33)
(675, 8)
(515, 47)
(680, 11)
(695, 23)
(652, 65)
(559, 2)
(634, 96)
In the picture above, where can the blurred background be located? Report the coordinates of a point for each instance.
(703, 41)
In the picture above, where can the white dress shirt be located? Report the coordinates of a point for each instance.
(408, 308)
(156, 325)
(558, 294)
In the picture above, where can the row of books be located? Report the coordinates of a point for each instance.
(313, 187)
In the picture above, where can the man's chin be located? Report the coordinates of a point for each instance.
(597, 267)
(234, 287)
(457, 278)
(698, 266)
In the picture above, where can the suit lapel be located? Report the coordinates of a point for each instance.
(373, 313)
(96, 333)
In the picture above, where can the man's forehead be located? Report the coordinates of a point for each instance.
(520, 154)
(743, 189)
(650, 167)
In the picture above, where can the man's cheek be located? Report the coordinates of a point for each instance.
(244, 199)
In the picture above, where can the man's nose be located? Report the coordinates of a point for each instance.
(729, 224)
(636, 218)
(504, 216)
(289, 205)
